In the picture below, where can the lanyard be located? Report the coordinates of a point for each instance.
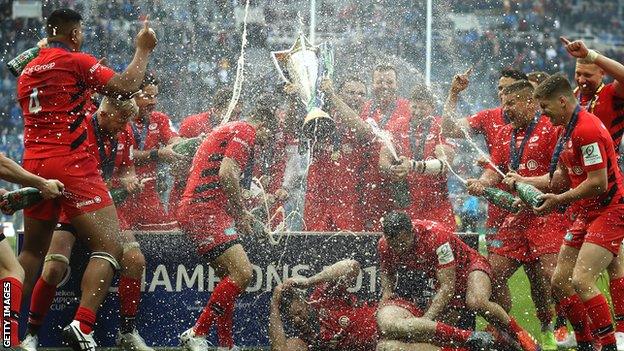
(417, 145)
(516, 154)
(248, 172)
(384, 118)
(562, 141)
(591, 105)
(107, 162)
(139, 139)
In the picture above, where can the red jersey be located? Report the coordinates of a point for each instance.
(53, 91)
(435, 247)
(195, 125)
(112, 152)
(488, 123)
(374, 199)
(429, 193)
(609, 108)
(590, 148)
(203, 191)
(152, 133)
(343, 318)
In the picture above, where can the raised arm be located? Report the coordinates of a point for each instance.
(345, 270)
(451, 125)
(129, 81)
(611, 67)
(446, 289)
(346, 114)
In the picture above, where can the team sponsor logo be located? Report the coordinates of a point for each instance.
(569, 144)
(534, 139)
(532, 165)
(94, 68)
(95, 200)
(343, 321)
(578, 170)
(153, 126)
(568, 237)
(241, 141)
(445, 253)
(591, 154)
(120, 147)
(39, 68)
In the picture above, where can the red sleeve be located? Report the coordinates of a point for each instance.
(385, 257)
(186, 127)
(476, 121)
(592, 146)
(443, 249)
(241, 145)
(498, 155)
(166, 128)
(95, 75)
(126, 159)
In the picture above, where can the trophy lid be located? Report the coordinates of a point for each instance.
(318, 124)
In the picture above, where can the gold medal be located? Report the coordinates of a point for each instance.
(335, 156)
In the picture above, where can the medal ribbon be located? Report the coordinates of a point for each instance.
(516, 154)
(107, 162)
(562, 141)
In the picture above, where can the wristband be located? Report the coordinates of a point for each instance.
(592, 55)
(154, 155)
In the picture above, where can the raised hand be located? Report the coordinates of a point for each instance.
(146, 39)
(461, 81)
(575, 48)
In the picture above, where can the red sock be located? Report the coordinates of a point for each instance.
(224, 295)
(572, 307)
(449, 335)
(617, 297)
(40, 302)
(13, 287)
(129, 298)
(514, 326)
(86, 317)
(224, 328)
(600, 318)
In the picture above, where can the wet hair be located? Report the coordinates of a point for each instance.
(288, 296)
(555, 85)
(352, 79)
(537, 76)
(421, 92)
(513, 74)
(127, 105)
(221, 98)
(62, 21)
(149, 79)
(266, 114)
(519, 86)
(394, 223)
(384, 67)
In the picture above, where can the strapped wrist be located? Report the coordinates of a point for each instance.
(592, 55)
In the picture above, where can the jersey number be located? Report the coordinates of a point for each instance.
(33, 105)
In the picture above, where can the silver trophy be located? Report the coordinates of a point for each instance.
(305, 65)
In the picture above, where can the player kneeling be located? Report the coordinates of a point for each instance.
(211, 213)
(463, 281)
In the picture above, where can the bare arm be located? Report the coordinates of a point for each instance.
(277, 335)
(129, 81)
(489, 178)
(446, 281)
(229, 176)
(595, 185)
(560, 181)
(451, 125)
(349, 117)
(129, 179)
(14, 173)
(345, 269)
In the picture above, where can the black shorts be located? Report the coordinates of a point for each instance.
(66, 227)
(2, 237)
(219, 250)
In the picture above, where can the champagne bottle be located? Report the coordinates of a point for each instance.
(119, 195)
(500, 198)
(188, 147)
(19, 199)
(529, 194)
(16, 65)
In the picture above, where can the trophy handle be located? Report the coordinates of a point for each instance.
(279, 68)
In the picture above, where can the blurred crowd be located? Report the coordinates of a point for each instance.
(204, 41)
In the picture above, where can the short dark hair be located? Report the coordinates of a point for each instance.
(513, 74)
(519, 86)
(350, 79)
(221, 98)
(394, 223)
(421, 92)
(555, 85)
(537, 77)
(149, 79)
(266, 114)
(62, 21)
(288, 296)
(383, 67)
